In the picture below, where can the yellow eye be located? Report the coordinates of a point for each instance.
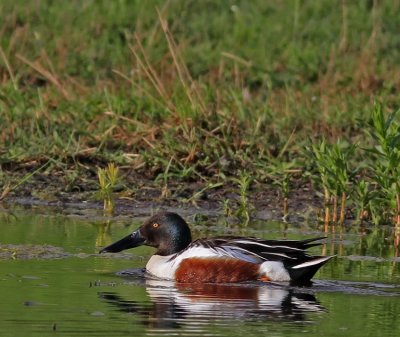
(155, 225)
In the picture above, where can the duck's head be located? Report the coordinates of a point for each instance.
(165, 231)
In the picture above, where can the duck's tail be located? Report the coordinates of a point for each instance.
(303, 272)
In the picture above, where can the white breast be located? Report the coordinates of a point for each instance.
(164, 267)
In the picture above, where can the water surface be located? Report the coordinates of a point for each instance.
(52, 281)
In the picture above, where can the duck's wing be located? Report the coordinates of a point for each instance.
(258, 250)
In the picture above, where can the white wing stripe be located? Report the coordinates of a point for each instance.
(312, 262)
(267, 246)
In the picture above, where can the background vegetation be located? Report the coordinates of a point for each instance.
(216, 92)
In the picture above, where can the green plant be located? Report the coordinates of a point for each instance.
(244, 208)
(226, 207)
(318, 153)
(280, 172)
(385, 131)
(362, 197)
(164, 177)
(334, 173)
(108, 179)
(343, 173)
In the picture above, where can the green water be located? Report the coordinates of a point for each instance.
(53, 282)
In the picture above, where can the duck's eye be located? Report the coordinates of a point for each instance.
(155, 225)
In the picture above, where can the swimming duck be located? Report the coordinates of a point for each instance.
(219, 259)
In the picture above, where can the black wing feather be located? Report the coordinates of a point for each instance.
(291, 252)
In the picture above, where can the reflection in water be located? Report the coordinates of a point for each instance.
(103, 236)
(363, 240)
(192, 306)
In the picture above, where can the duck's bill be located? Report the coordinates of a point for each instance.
(130, 241)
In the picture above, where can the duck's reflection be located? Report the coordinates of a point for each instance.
(174, 305)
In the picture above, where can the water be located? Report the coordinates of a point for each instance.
(52, 281)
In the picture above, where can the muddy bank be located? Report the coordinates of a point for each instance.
(137, 193)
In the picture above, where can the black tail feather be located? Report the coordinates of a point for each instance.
(303, 275)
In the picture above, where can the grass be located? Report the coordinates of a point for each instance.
(244, 208)
(386, 171)
(108, 180)
(334, 175)
(197, 91)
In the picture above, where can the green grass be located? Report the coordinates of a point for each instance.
(334, 174)
(108, 180)
(191, 90)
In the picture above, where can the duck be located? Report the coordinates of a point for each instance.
(221, 259)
